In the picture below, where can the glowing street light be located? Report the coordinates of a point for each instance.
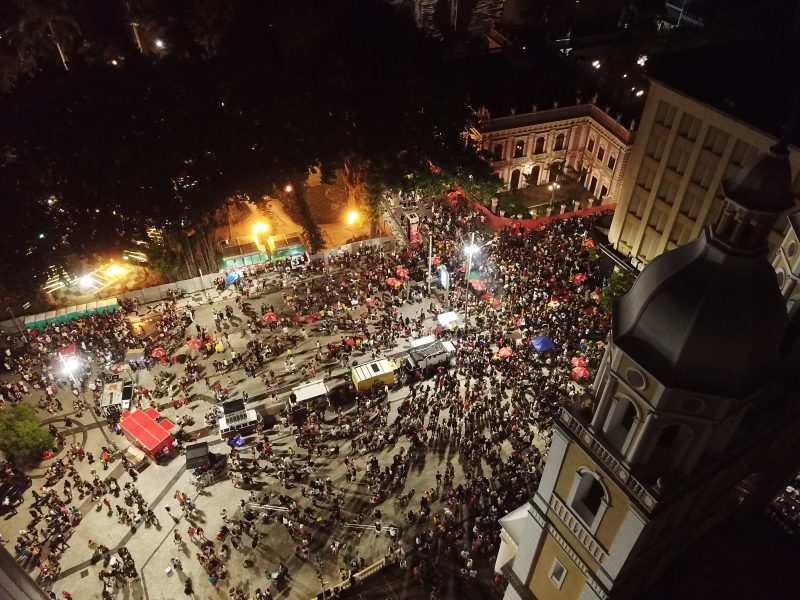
(160, 44)
(596, 64)
(288, 189)
(553, 187)
(115, 271)
(352, 217)
(70, 365)
(86, 282)
(471, 249)
(259, 228)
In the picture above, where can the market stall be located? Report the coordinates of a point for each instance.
(148, 432)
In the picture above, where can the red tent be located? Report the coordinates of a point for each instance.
(146, 433)
(67, 350)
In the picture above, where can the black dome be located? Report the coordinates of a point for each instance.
(702, 319)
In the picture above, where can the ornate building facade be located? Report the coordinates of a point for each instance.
(535, 148)
(692, 420)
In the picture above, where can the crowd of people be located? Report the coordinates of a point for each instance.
(492, 412)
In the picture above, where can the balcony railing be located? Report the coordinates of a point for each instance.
(576, 527)
(620, 471)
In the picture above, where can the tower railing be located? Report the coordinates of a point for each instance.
(639, 490)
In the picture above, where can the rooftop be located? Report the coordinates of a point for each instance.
(754, 81)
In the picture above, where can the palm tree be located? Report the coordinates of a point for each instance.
(42, 22)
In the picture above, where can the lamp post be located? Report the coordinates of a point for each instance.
(553, 187)
(16, 323)
(430, 262)
(469, 250)
(203, 285)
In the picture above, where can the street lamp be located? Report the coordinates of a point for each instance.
(553, 187)
(160, 44)
(352, 217)
(470, 250)
(288, 189)
(259, 228)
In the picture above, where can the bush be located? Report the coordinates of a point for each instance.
(618, 284)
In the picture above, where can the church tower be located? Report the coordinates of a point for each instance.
(690, 420)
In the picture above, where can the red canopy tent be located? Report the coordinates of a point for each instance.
(146, 433)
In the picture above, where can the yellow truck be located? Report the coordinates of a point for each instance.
(373, 373)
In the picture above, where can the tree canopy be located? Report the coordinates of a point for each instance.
(145, 114)
(22, 437)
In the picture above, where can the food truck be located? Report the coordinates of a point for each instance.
(116, 398)
(313, 393)
(236, 419)
(372, 373)
(150, 432)
(427, 354)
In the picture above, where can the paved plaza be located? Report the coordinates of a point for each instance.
(312, 548)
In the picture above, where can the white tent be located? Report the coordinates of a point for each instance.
(448, 319)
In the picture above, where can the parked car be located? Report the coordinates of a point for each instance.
(11, 491)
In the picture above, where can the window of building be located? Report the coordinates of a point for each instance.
(515, 179)
(637, 204)
(655, 147)
(665, 114)
(557, 573)
(678, 159)
(689, 126)
(593, 184)
(590, 146)
(559, 142)
(742, 152)
(588, 499)
(603, 191)
(791, 249)
(667, 451)
(667, 189)
(658, 219)
(704, 172)
(620, 423)
(691, 205)
(781, 278)
(533, 178)
(612, 161)
(601, 152)
(646, 177)
(539, 149)
(716, 140)
(497, 153)
(519, 149)
(679, 233)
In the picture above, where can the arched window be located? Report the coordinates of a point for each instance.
(519, 149)
(669, 448)
(539, 146)
(514, 179)
(533, 178)
(497, 153)
(588, 498)
(621, 423)
(559, 142)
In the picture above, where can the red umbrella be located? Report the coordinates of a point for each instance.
(588, 243)
(270, 317)
(115, 368)
(158, 353)
(505, 352)
(436, 260)
(195, 344)
(486, 297)
(579, 373)
(496, 302)
(579, 278)
(350, 342)
(68, 350)
(478, 285)
(393, 282)
(309, 319)
(577, 361)
(297, 319)
(402, 272)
